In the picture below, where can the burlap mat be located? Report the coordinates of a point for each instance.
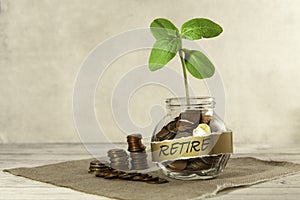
(239, 172)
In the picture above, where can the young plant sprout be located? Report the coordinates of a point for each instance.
(169, 42)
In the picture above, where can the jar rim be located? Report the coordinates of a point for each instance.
(194, 101)
(192, 98)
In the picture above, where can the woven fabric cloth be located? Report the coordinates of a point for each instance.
(239, 172)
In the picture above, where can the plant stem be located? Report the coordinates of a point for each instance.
(186, 85)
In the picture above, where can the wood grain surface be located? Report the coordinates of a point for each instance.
(30, 155)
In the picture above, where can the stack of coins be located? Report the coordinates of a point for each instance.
(135, 143)
(118, 159)
(97, 165)
(137, 152)
(139, 160)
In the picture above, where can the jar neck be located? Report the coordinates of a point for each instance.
(195, 103)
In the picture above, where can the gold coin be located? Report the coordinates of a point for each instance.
(205, 128)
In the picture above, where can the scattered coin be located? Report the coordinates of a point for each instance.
(126, 176)
(147, 178)
(157, 180)
(102, 174)
(111, 173)
(138, 178)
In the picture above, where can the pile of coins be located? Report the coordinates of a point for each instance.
(177, 165)
(107, 172)
(137, 152)
(118, 159)
(183, 126)
(194, 164)
(135, 143)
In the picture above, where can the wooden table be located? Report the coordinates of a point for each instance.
(29, 155)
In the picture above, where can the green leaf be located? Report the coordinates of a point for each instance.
(162, 28)
(198, 64)
(198, 28)
(163, 51)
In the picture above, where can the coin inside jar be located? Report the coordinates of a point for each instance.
(210, 160)
(195, 164)
(165, 134)
(184, 134)
(206, 119)
(172, 127)
(178, 165)
(162, 134)
(193, 116)
(184, 125)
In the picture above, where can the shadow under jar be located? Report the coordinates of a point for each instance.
(181, 125)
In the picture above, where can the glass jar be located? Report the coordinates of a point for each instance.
(191, 141)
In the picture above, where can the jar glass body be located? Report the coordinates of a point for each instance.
(183, 120)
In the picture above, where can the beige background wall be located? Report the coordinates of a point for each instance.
(43, 42)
